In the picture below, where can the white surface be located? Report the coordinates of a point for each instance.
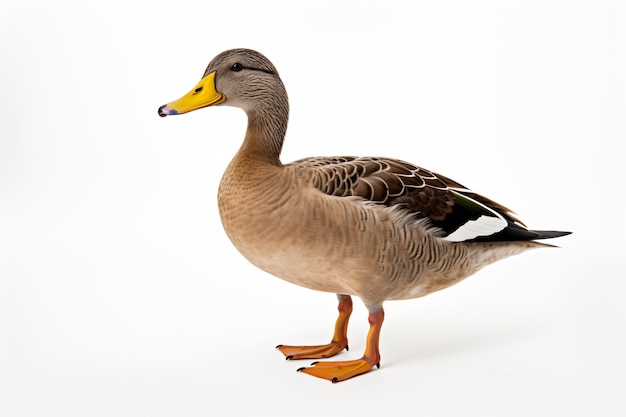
(121, 296)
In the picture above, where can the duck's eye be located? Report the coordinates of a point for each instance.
(237, 67)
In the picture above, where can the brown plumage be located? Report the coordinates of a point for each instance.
(377, 228)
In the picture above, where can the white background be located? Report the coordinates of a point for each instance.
(121, 295)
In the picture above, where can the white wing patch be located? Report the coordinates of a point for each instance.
(482, 226)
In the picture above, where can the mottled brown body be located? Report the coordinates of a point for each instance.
(286, 227)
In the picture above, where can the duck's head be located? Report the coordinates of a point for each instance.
(238, 77)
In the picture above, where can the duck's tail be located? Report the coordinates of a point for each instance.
(548, 234)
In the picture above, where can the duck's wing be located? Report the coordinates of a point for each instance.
(460, 214)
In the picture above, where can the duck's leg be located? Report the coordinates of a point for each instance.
(339, 342)
(342, 370)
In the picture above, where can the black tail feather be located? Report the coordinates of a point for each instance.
(548, 234)
(515, 232)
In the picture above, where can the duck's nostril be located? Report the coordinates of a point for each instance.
(197, 90)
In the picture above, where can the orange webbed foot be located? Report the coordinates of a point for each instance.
(312, 352)
(336, 345)
(341, 370)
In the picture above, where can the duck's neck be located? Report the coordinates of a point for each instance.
(267, 125)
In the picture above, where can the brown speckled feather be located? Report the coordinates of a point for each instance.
(392, 182)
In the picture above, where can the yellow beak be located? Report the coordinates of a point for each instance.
(202, 95)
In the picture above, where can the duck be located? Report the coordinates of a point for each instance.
(375, 228)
